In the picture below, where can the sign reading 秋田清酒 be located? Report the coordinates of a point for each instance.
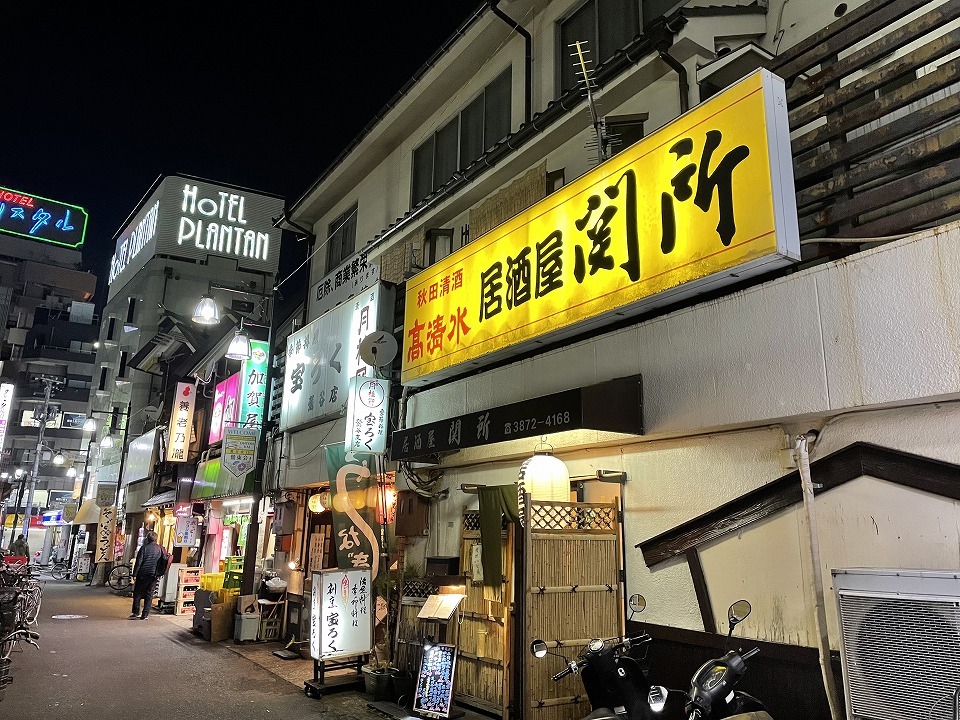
(705, 201)
(41, 219)
(181, 422)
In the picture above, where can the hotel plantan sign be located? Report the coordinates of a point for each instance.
(705, 201)
(42, 219)
(192, 219)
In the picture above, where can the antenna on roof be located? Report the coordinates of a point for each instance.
(584, 71)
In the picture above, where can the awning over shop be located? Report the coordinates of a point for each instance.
(88, 514)
(160, 500)
(212, 481)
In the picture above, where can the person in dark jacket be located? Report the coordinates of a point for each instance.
(145, 576)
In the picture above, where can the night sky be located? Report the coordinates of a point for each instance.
(99, 99)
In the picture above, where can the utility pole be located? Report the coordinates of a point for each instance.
(36, 458)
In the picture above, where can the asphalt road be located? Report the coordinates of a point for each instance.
(103, 665)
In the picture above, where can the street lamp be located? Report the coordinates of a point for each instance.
(240, 345)
(207, 312)
(106, 442)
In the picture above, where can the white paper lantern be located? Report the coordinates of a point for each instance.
(546, 478)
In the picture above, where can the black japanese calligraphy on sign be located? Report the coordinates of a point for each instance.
(341, 614)
(719, 183)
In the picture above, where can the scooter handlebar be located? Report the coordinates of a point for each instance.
(637, 640)
(573, 666)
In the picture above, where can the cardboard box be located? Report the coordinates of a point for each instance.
(221, 621)
(247, 604)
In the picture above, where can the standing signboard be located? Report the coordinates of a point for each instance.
(341, 618)
(435, 681)
(105, 533)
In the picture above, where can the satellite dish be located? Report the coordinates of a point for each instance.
(378, 348)
(151, 412)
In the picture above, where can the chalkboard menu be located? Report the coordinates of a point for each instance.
(435, 682)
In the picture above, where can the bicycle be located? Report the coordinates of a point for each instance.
(8, 641)
(61, 570)
(120, 578)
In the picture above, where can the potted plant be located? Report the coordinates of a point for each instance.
(377, 677)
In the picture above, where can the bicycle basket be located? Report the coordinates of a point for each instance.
(9, 602)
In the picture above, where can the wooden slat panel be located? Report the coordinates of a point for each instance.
(907, 220)
(909, 63)
(902, 158)
(848, 30)
(889, 193)
(882, 46)
(935, 114)
(942, 77)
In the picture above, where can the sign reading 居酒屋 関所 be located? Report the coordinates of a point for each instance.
(189, 218)
(704, 201)
(41, 219)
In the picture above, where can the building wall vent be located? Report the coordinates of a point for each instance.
(900, 642)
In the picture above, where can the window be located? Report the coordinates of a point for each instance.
(131, 309)
(103, 379)
(605, 25)
(122, 368)
(111, 328)
(624, 130)
(463, 139)
(341, 238)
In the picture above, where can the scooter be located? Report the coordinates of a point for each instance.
(711, 695)
(612, 674)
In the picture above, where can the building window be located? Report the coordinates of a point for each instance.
(555, 180)
(474, 130)
(341, 238)
(131, 309)
(103, 379)
(624, 130)
(111, 328)
(122, 367)
(605, 25)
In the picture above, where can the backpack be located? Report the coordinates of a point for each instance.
(162, 562)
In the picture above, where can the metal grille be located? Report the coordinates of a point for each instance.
(419, 589)
(471, 520)
(901, 656)
(572, 517)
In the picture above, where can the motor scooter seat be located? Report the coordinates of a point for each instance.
(603, 714)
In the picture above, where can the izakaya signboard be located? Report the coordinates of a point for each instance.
(186, 535)
(367, 415)
(341, 615)
(226, 404)
(346, 280)
(6, 400)
(188, 218)
(324, 355)
(253, 391)
(42, 219)
(181, 422)
(705, 201)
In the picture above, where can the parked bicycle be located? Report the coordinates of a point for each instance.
(121, 577)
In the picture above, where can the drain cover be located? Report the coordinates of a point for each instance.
(68, 617)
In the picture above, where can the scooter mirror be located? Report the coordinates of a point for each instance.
(657, 697)
(538, 648)
(637, 602)
(738, 612)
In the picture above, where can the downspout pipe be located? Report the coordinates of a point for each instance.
(661, 35)
(528, 58)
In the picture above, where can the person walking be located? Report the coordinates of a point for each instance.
(20, 547)
(145, 576)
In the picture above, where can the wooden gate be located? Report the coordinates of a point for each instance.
(483, 663)
(573, 559)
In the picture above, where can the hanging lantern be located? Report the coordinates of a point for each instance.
(545, 477)
(315, 503)
(326, 500)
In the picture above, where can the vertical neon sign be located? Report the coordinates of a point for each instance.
(181, 422)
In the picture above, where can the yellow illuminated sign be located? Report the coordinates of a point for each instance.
(706, 200)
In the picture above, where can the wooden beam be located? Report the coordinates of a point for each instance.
(700, 587)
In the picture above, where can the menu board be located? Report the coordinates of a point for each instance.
(340, 621)
(435, 681)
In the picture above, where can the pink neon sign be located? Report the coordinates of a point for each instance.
(226, 406)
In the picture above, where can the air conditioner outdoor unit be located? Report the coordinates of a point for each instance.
(901, 642)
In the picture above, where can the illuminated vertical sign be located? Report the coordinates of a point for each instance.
(6, 400)
(367, 415)
(226, 405)
(253, 385)
(181, 421)
(42, 219)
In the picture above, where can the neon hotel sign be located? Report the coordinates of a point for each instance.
(213, 224)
